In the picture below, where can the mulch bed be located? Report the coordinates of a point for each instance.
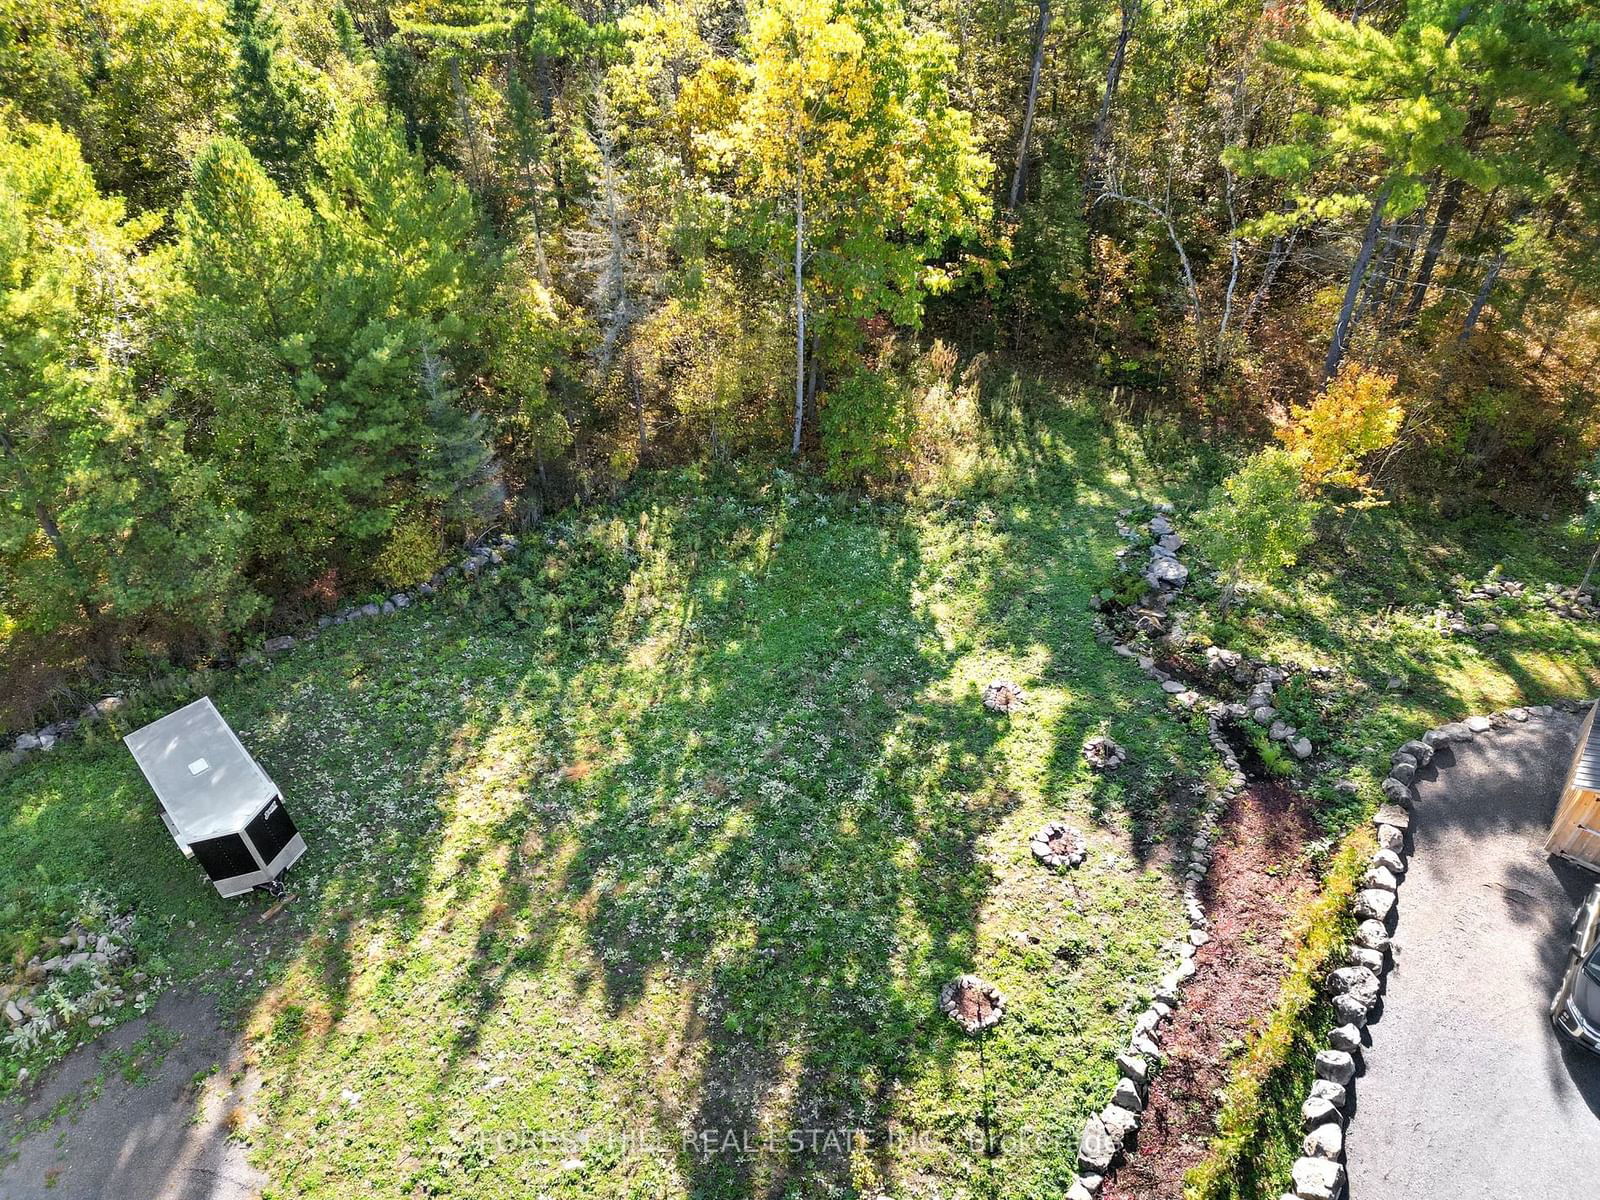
(1258, 877)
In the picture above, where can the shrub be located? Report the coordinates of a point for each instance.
(866, 427)
(1355, 415)
(1258, 520)
(411, 554)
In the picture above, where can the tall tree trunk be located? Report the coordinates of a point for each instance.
(1276, 257)
(799, 310)
(1482, 298)
(1131, 10)
(1449, 205)
(1358, 271)
(469, 131)
(1020, 176)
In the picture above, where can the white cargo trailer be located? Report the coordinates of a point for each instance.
(219, 805)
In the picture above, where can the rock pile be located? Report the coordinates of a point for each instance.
(1002, 696)
(79, 980)
(1258, 707)
(1104, 754)
(1059, 846)
(972, 1003)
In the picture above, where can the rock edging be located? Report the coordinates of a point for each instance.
(480, 562)
(1106, 1133)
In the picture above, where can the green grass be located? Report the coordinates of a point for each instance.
(660, 849)
(678, 860)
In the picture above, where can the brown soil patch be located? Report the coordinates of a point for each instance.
(1258, 877)
(973, 1005)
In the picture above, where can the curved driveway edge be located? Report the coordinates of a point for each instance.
(1468, 1092)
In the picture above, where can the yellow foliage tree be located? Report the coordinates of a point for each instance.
(1331, 437)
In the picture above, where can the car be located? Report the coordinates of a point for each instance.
(1576, 1011)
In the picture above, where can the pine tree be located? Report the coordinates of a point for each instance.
(274, 109)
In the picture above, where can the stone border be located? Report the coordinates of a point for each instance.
(1106, 1133)
(1319, 1174)
(481, 562)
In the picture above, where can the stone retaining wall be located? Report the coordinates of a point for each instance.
(481, 561)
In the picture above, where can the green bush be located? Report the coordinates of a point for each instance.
(412, 553)
(866, 428)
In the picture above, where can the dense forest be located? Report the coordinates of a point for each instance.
(297, 294)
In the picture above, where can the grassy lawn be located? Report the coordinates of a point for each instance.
(651, 893)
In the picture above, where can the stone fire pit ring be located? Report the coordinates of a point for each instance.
(1002, 696)
(1104, 753)
(1059, 846)
(972, 1003)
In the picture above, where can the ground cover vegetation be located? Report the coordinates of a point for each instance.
(815, 353)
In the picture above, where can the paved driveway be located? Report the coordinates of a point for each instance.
(1466, 1091)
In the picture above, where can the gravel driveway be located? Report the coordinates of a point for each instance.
(1466, 1090)
(90, 1133)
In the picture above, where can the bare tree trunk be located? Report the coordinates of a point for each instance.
(638, 406)
(1482, 298)
(1276, 257)
(1589, 571)
(469, 131)
(799, 309)
(1449, 205)
(1164, 215)
(1131, 10)
(1020, 176)
(1358, 271)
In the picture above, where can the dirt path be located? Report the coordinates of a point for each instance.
(140, 1114)
(1258, 875)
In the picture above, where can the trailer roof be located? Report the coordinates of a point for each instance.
(1587, 773)
(203, 776)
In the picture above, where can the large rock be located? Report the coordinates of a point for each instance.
(1355, 981)
(277, 645)
(1120, 1123)
(1403, 771)
(1390, 860)
(1379, 876)
(1317, 1111)
(1421, 751)
(1372, 935)
(1098, 1147)
(1346, 1038)
(1301, 747)
(1396, 791)
(1373, 904)
(1392, 814)
(1391, 839)
(1325, 1141)
(1127, 1095)
(1317, 1179)
(1333, 1093)
(1336, 1065)
(1166, 572)
(1350, 1010)
(1133, 1067)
